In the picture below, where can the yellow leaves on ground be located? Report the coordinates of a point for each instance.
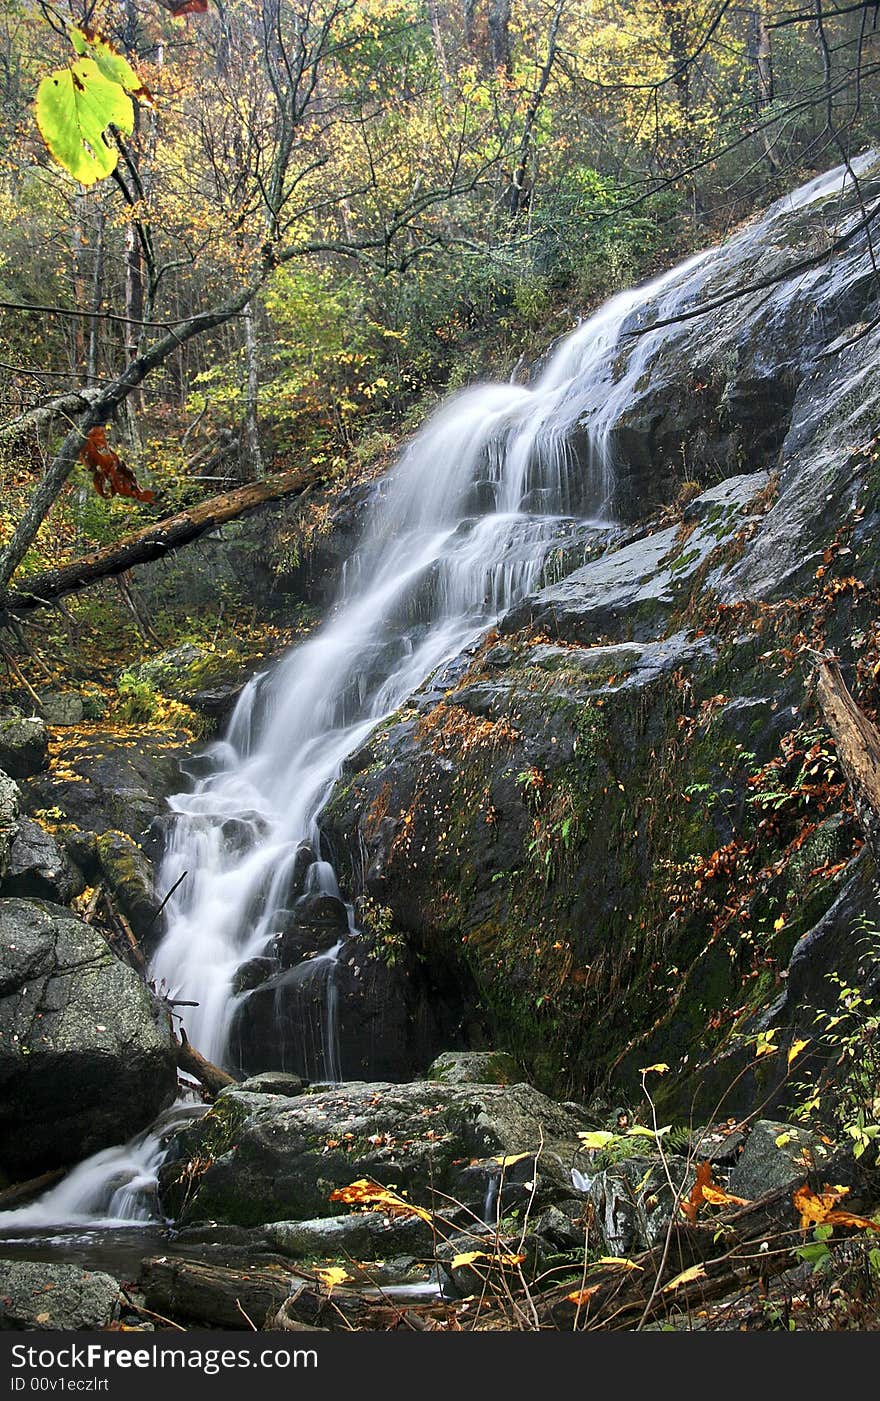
(819, 1209)
(706, 1189)
(375, 1197)
(686, 1277)
(470, 1257)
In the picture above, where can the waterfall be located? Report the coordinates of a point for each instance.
(460, 533)
(116, 1187)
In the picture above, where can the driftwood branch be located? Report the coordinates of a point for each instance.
(154, 540)
(193, 1063)
(858, 748)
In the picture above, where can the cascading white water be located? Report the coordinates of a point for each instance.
(116, 1187)
(460, 534)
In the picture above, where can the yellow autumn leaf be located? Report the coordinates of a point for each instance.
(618, 1262)
(511, 1158)
(779, 923)
(469, 1257)
(332, 1274)
(686, 1277)
(796, 1048)
(659, 1069)
(716, 1196)
(599, 1139)
(377, 1198)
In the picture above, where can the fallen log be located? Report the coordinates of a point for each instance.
(213, 1294)
(20, 1193)
(225, 1297)
(193, 1063)
(858, 748)
(154, 540)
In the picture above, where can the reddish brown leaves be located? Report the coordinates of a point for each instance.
(110, 475)
(184, 7)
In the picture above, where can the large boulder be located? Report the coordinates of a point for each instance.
(37, 1295)
(39, 867)
(24, 745)
(86, 1056)
(259, 1158)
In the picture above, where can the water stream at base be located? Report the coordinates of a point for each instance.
(460, 532)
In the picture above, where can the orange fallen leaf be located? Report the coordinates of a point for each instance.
(582, 1296)
(377, 1198)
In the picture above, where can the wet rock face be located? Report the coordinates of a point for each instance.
(85, 1058)
(531, 817)
(346, 1016)
(275, 1159)
(39, 867)
(107, 782)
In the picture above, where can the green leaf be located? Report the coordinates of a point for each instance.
(75, 106)
(111, 65)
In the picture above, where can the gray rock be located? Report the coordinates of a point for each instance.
(632, 1201)
(776, 1155)
(273, 1082)
(62, 707)
(24, 745)
(86, 1057)
(38, 867)
(38, 1295)
(112, 782)
(364, 1235)
(10, 806)
(474, 1068)
(275, 1159)
(629, 592)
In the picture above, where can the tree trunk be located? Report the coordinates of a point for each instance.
(155, 540)
(858, 749)
(499, 36)
(761, 58)
(97, 298)
(250, 456)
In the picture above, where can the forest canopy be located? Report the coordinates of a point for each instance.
(319, 214)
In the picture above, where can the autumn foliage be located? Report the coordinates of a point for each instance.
(110, 475)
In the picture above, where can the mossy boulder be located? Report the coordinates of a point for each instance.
(260, 1158)
(474, 1068)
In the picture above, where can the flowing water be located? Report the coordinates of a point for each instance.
(460, 532)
